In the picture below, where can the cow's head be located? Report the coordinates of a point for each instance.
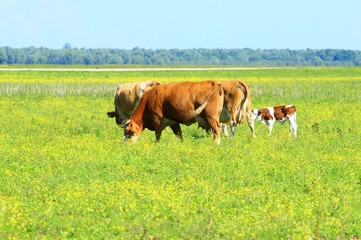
(132, 130)
(115, 115)
(256, 114)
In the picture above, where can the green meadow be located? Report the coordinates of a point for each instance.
(66, 174)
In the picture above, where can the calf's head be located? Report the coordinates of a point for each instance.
(256, 114)
(132, 130)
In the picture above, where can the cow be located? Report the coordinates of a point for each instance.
(270, 115)
(237, 106)
(174, 104)
(126, 99)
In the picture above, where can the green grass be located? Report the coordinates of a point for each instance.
(255, 75)
(64, 172)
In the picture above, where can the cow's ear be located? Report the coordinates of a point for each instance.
(111, 114)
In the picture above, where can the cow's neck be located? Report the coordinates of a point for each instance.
(138, 113)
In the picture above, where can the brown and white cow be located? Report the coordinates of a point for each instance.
(127, 97)
(174, 104)
(282, 114)
(237, 106)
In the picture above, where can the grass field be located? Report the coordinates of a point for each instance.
(64, 172)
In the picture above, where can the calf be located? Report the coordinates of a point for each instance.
(282, 114)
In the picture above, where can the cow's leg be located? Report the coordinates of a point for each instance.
(177, 130)
(235, 113)
(216, 128)
(158, 126)
(158, 134)
(233, 128)
(250, 121)
(224, 129)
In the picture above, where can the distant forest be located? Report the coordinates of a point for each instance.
(245, 57)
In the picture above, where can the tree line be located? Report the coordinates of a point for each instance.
(246, 56)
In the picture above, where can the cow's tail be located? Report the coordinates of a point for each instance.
(245, 102)
(199, 109)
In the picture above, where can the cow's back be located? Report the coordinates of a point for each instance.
(127, 96)
(197, 92)
(178, 101)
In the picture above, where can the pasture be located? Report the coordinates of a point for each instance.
(64, 172)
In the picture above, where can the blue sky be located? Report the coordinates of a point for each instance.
(182, 24)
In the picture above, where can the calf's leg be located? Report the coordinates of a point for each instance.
(293, 126)
(270, 124)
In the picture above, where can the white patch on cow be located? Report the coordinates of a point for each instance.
(132, 138)
(270, 123)
(218, 141)
(142, 87)
(224, 129)
(287, 106)
(233, 129)
(271, 112)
